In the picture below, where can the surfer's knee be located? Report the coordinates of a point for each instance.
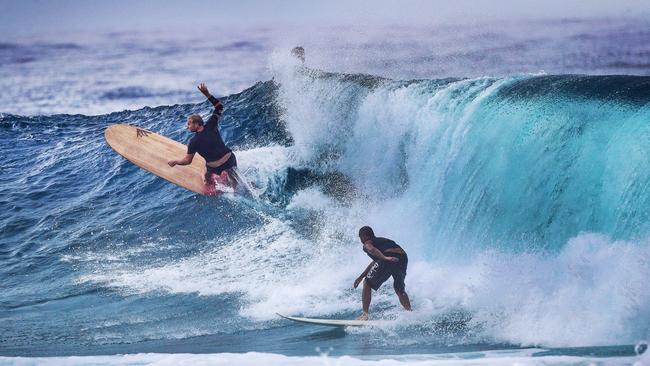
(366, 286)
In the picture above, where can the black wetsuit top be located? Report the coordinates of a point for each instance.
(208, 143)
(382, 244)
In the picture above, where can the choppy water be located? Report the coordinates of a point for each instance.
(521, 197)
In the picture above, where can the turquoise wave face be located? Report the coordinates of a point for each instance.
(537, 161)
(532, 188)
(521, 163)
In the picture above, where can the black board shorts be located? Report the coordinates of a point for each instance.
(230, 163)
(381, 271)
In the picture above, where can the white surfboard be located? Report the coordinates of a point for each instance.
(338, 322)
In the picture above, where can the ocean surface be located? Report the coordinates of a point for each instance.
(510, 161)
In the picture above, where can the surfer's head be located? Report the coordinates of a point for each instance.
(366, 233)
(194, 122)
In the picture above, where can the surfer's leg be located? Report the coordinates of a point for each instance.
(366, 297)
(400, 287)
(377, 275)
(232, 178)
(229, 166)
(404, 299)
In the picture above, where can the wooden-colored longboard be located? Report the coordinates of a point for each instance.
(337, 322)
(151, 152)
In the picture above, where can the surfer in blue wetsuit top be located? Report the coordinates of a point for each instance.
(388, 259)
(208, 143)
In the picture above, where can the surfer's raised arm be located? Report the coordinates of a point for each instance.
(218, 106)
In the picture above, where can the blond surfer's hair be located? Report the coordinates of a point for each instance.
(196, 119)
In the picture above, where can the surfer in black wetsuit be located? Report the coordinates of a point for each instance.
(208, 143)
(388, 259)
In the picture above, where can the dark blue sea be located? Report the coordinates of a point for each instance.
(510, 160)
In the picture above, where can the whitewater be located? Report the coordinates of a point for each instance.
(522, 200)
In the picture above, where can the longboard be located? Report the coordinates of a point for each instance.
(337, 322)
(151, 152)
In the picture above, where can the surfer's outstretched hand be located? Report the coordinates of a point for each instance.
(204, 89)
(357, 282)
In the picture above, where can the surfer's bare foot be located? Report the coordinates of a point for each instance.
(363, 316)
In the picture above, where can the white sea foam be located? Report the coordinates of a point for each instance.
(591, 293)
